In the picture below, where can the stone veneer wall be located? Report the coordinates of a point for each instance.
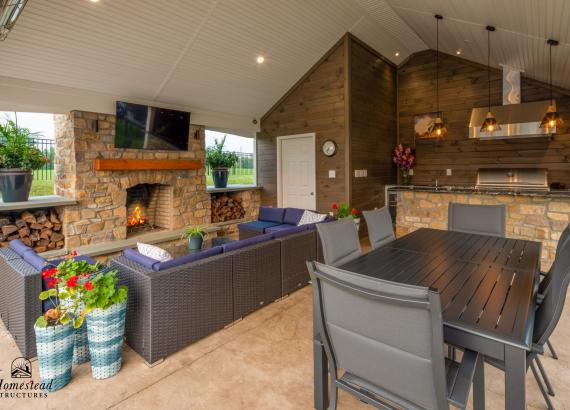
(100, 216)
(538, 218)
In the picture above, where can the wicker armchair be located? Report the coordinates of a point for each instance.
(20, 285)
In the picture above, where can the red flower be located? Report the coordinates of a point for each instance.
(72, 281)
(48, 273)
(51, 283)
(84, 275)
(73, 253)
(335, 206)
(354, 211)
(88, 286)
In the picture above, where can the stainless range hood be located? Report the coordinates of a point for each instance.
(516, 120)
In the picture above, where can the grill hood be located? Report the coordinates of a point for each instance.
(516, 120)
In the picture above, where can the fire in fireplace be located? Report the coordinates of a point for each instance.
(149, 207)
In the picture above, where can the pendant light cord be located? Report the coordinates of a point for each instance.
(551, 99)
(489, 65)
(437, 67)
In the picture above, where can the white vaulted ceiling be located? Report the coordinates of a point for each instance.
(201, 53)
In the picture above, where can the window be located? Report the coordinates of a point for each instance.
(244, 172)
(43, 125)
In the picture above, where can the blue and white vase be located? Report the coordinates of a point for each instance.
(55, 354)
(81, 347)
(105, 332)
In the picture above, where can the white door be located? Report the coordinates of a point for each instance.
(296, 179)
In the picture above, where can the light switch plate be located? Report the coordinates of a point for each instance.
(448, 172)
(411, 172)
(332, 173)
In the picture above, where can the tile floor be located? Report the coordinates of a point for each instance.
(262, 362)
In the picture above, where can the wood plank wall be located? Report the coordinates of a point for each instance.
(316, 104)
(357, 111)
(373, 130)
(463, 85)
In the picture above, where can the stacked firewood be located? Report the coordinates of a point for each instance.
(40, 230)
(226, 208)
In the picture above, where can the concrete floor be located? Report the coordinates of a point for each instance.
(262, 362)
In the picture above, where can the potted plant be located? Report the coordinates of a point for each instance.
(220, 162)
(106, 304)
(55, 330)
(76, 273)
(405, 160)
(195, 236)
(343, 210)
(18, 158)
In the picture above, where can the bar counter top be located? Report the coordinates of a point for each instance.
(454, 189)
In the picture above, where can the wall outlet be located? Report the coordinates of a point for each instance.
(448, 172)
(332, 173)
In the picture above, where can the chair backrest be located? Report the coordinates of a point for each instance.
(340, 241)
(380, 230)
(548, 313)
(547, 281)
(388, 335)
(479, 219)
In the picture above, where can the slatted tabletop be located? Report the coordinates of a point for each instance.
(486, 283)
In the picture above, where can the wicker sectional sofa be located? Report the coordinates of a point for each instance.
(172, 306)
(20, 285)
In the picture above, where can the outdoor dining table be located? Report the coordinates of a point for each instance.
(487, 286)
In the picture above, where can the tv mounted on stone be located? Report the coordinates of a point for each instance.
(151, 128)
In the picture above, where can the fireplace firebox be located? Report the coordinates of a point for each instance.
(149, 207)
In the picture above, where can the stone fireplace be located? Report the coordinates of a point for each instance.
(149, 207)
(172, 198)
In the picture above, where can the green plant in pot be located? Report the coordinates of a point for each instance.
(195, 236)
(220, 162)
(106, 304)
(18, 158)
(55, 329)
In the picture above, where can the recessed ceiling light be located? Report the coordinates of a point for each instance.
(260, 59)
(94, 1)
(459, 51)
(397, 54)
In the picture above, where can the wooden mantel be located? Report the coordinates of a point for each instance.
(145, 164)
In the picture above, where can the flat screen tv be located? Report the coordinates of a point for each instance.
(144, 127)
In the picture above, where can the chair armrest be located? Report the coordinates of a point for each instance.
(460, 379)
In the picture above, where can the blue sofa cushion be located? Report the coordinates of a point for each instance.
(257, 226)
(269, 214)
(35, 260)
(232, 246)
(19, 247)
(139, 258)
(279, 228)
(293, 215)
(216, 250)
(289, 231)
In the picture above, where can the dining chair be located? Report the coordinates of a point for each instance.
(380, 230)
(478, 219)
(340, 241)
(546, 318)
(384, 342)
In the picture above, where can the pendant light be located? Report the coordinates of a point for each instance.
(438, 130)
(490, 124)
(551, 119)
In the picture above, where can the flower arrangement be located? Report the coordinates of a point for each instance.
(343, 210)
(105, 292)
(405, 160)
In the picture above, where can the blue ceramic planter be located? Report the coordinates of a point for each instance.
(105, 332)
(55, 354)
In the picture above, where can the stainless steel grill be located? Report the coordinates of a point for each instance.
(535, 179)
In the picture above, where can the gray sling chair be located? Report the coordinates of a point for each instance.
(548, 315)
(340, 241)
(388, 339)
(478, 219)
(380, 230)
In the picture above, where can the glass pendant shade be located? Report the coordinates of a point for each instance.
(551, 119)
(490, 124)
(438, 130)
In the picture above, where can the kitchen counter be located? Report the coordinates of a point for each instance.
(553, 193)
